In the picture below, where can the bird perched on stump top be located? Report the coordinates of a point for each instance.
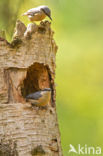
(39, 98)
(38, 14)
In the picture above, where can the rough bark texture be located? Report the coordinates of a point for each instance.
(27, 64)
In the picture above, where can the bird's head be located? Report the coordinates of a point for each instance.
(46, 10)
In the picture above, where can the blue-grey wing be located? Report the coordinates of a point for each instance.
(34, 96)
(32, 11)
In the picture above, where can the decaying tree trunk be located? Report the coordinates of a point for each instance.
(26, 66)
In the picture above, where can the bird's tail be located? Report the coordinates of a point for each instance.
(24, 14)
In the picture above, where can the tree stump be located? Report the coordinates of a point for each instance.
(27, 64)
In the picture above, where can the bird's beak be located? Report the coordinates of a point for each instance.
(50, 17)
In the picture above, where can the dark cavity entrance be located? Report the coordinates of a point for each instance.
(38, 77)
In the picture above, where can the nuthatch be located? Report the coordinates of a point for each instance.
(39, 98)
(38, 14)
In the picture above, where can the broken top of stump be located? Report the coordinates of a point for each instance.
(30, 44)
(21, 31)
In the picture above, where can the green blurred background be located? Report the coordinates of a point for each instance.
(78, 26)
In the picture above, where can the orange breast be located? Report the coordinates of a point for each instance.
(38, 17)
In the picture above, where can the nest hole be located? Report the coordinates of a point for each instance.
(37, 78)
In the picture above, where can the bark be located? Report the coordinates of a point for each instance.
(27, 64)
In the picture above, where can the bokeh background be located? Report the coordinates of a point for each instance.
(78, 26)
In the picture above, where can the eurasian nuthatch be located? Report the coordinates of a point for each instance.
(39, 98)
(38, 14)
